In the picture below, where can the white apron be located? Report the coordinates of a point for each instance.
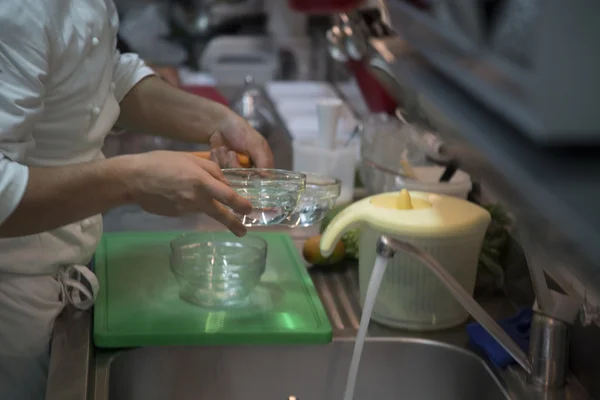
(60, 85)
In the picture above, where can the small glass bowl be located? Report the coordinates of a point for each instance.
(318, 198)
(274, 193)
(217, 269)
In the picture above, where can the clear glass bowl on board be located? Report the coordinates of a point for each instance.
(273, 193)
(318, 198)
(217, 269)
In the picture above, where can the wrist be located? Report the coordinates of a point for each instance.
(209, 118)
(125, 172)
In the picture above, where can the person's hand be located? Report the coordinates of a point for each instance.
(234, 134)
(176, 183)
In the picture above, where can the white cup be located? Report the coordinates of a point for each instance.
(329, 111)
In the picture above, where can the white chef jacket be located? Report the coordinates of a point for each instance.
(61, 80)
(60, 83)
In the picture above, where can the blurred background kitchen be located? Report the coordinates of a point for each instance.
(488, 100)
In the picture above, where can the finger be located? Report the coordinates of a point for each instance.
(221, 154)
(226, 195)
(221, 214)
(260, 152)
(213, 169)
(232, 160)
(214, 157)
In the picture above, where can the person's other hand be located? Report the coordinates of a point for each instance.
(234, 134)
(176, 183)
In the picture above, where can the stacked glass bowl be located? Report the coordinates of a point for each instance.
(220, 270)
(284, 197)
(318, 197)
(217, 269)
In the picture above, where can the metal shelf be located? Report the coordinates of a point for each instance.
(553, 192)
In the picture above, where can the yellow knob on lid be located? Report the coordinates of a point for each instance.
(404, 202)
(399, 201)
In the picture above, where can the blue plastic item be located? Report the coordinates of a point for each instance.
(517, 327)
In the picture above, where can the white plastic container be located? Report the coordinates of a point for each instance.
(338, 163)
(410, 296)
(447, 228)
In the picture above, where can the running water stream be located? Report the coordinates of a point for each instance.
(372, 290)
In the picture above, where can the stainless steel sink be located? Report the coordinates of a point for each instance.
(390, 369)
(396, 364)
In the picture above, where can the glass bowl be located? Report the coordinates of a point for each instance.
(318, 198)
(274, 193)
(217, 269)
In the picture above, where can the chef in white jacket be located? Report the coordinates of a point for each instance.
(62, 88)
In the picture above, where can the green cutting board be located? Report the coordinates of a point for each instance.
(139, 304)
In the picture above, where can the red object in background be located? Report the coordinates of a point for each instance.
(323, 6)
(208, 92)
(375, 95)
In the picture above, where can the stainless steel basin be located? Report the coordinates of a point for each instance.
(390, 369)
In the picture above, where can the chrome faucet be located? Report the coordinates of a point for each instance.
(546, 364)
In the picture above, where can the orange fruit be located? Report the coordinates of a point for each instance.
(312, 252)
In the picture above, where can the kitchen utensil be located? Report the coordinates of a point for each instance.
(355, 132)
(328, 114)
(449, 229)
(243, 159)
(274, 193)
(139, 303)
(217, 270)
(449, 172)
(318, 198)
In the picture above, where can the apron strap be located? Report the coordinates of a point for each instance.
(79, 286)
